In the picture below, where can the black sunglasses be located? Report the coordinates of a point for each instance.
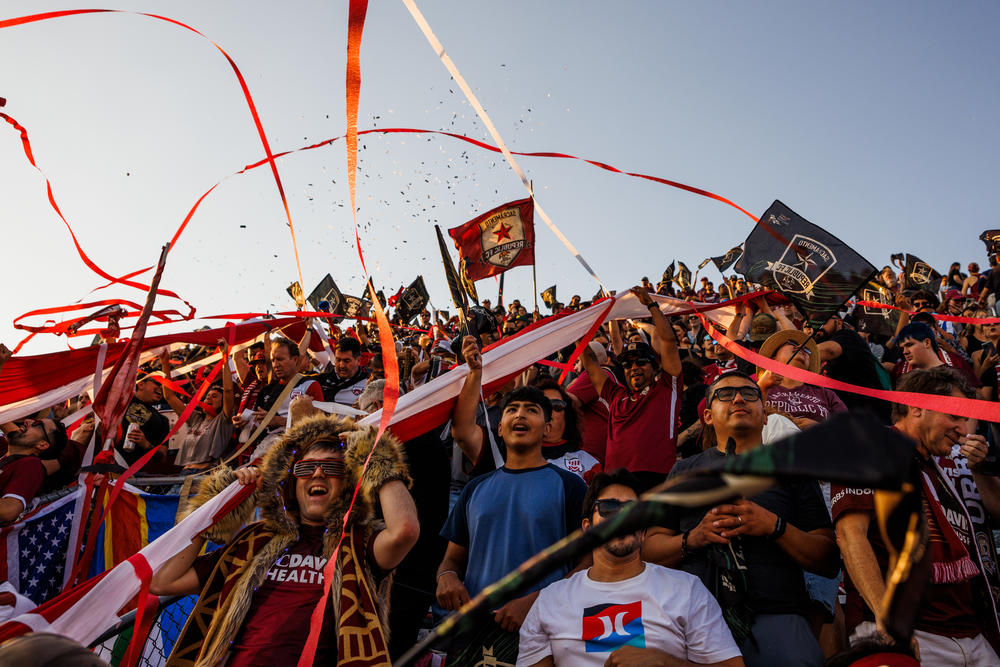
(608, 507)
(728, 394)
(557, 405)
(330, 467)
(629, 363)
(921, 304)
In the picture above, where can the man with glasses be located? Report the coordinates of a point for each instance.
(22, 472)
(643, 415)
(623, 611)
(259, 591)
(751, 552)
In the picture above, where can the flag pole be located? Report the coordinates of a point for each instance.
(534, 274)
(500, 293)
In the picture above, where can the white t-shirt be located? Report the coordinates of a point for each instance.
(579, 621)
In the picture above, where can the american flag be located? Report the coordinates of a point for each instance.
(34, 549)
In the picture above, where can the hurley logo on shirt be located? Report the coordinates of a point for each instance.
(298, 568)
(608, 627)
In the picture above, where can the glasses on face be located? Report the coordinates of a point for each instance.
(921, 304)
(558, 405)
(608, 507)
(329, 467)
(629, 363)
(728, 394)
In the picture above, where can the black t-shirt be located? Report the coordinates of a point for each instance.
(856, 365)
(992, 282)
(776, 584)
(430, 469)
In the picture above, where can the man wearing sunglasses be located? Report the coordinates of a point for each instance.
(751, 552)
(22, 472)
(630, 612)
(257, 594)
(642, 422)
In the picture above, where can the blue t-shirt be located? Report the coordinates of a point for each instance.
(507, 516)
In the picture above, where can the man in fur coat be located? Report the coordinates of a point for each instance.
(258, 592)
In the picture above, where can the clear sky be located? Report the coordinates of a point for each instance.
(876, 121)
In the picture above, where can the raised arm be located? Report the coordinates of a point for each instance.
(176, 404)
(228, 396)
(468, 436)
(401, 525)
(670, 360)
(593, 369)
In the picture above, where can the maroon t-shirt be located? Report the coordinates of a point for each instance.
(946, 609)
(21, 477)
(806, 401)
(275, 629)
(642, 428)
(594, 414)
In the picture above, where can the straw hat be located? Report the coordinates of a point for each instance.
(775, 341)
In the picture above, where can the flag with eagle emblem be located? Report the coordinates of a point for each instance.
(497, 240)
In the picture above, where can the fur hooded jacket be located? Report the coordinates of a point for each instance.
(226, 597)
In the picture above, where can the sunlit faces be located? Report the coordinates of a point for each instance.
(626, 544)
(939, 431)
(148, 391)
(284, 364)
(743, 412)
(558, 421)
(345, 363)
(213, 398)
(523, 424)
(784, 356)
(639, 372)
(316, 494)
(919, 353)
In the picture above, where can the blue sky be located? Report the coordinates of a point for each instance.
(876, 121)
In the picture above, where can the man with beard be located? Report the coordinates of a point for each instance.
(631, 612)
(751, 552)
(22, 472)
(642, 426)
(847, 357)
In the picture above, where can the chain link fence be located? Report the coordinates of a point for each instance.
(171, 615)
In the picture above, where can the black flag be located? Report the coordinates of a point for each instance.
(468, 283)
(683, 277)
(549, 297)
(725, 261)
(874, 320)
(413, 300)
(991, 237)
(918, 274)
(668, 273)
(451, 275)
(816, 270)
(327, 297)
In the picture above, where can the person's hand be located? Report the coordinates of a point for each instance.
(974, 448)
(472, 355)
(139, 438)
(990, 360)
(451, 593)
(642, 295)
(706, 533)
(769, 379)
(804, 422)
(639, 657)
(83, 432)
(5, 354)
(258, 415)
(165, 361)
(743, 517)
(511, 615)
(239, 422)
(903, 302)
(248, 475)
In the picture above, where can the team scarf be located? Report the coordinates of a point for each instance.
(949, 553)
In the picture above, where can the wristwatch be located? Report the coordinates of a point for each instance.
(779, 529)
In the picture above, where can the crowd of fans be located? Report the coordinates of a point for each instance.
(793, 575)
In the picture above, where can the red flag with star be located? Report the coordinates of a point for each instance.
(497, 240)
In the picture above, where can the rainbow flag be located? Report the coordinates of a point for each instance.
(135, 520)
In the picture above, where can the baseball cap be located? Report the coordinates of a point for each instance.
(761, 326)
(638, 350)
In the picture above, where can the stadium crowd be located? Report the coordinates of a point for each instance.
(793, 575)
